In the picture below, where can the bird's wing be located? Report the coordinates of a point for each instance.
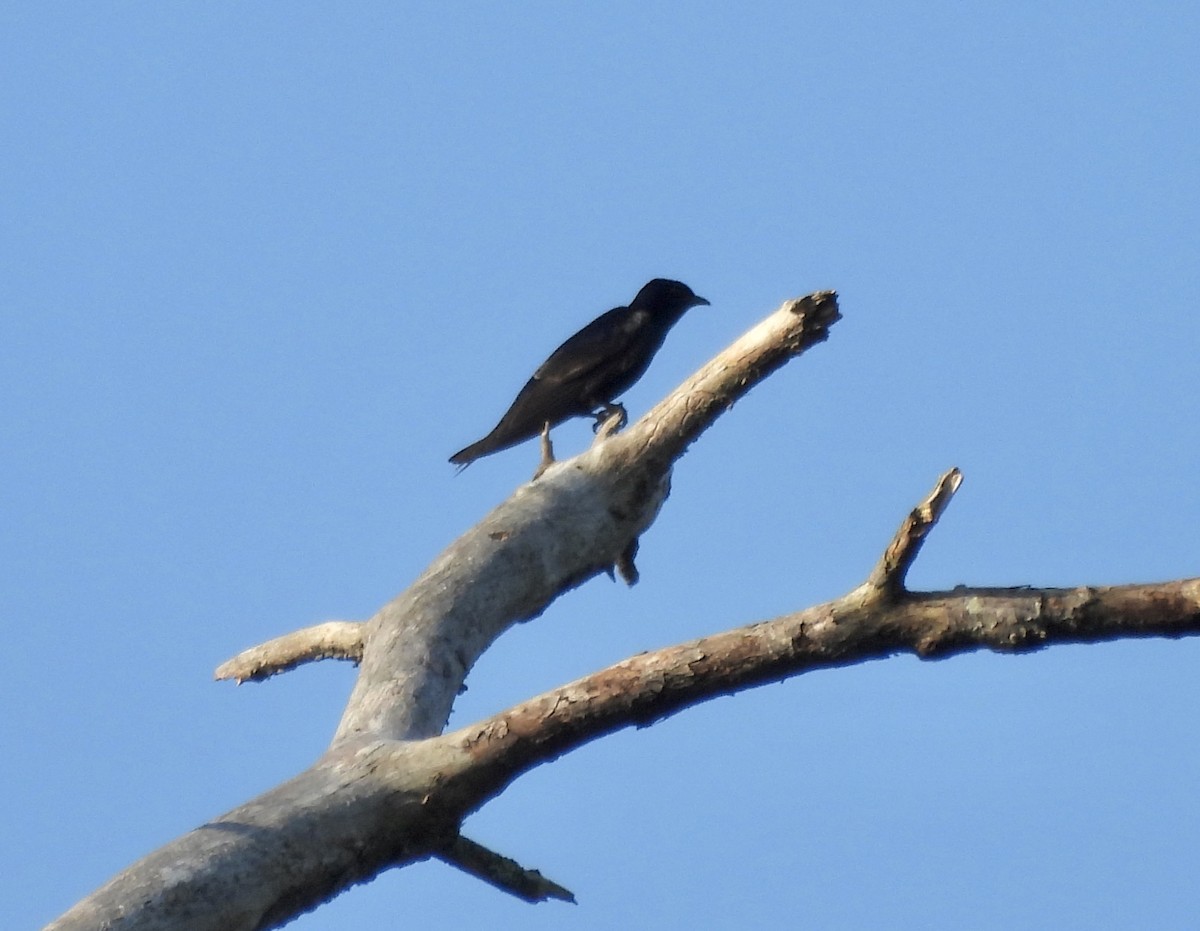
(600, 342)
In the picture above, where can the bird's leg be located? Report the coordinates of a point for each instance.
(609, 412)
(547, 452)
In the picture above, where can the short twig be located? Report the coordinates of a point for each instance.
(505, 874)
(331, 640)
(889, 573)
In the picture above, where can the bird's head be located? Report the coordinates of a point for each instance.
(662, 295)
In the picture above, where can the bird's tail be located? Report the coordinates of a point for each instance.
(464, 457)
(502, 437)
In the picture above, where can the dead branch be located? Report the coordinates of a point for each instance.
(876, 620)
(331, 640)
(505, 874)
(390, 791)
(380, 796)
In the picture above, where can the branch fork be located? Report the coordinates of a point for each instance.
(394, 788)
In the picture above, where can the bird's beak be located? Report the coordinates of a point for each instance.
(697, 301)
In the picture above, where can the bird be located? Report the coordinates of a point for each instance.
(586, 373)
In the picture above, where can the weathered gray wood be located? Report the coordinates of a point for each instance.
(382, 796)
(392, 789)
(331, 640)
(579, 518)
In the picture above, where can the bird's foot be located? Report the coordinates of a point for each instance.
(610, 419)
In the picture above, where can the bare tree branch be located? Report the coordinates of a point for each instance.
(505, 874)
(887, 579)
(579, 518)
(871, 622)
(381, 796)
(390, 791)
(385, 803)
(649, 687)
(331, 640)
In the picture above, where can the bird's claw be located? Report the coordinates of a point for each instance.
(605, 414)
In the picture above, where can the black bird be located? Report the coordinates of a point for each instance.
(589, 370)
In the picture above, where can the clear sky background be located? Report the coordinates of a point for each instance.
(264, 267)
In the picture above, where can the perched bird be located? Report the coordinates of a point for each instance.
(589, 370)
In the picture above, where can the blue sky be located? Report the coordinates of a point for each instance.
(264, 267)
